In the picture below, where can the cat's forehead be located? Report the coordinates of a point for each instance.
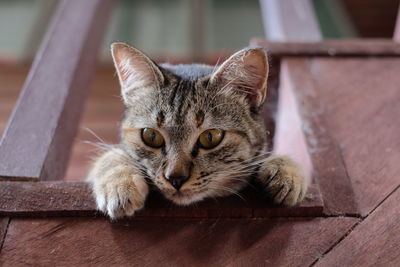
(185, 103)
(189, 71)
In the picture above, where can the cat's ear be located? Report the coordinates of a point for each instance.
(244, 73)
(136, 71)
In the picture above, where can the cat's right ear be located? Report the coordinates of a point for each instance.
(244, 74)
(137, 73)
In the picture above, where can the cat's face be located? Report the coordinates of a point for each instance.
(194, 130)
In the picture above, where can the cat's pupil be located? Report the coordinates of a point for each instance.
(209, 137)
(153, 136)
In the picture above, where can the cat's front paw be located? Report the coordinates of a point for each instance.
(119, 196)
(119, 188)
(283, 180)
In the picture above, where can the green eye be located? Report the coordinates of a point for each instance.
(211, 138)
(152, 137)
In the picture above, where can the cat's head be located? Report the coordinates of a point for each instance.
(194, 130)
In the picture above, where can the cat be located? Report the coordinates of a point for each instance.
(194, 131)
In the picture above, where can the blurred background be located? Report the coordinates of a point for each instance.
(173, 31)
(179, 30)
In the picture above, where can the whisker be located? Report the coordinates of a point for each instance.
(99, 145)
(216, 65)
(230, 190)
(94, 134)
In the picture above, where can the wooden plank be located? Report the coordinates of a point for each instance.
(331, 48)
(171, 242)
(4, 221)
(357, 101)
(325, 154)
(349, 108)
(374, 242)
(47, 198)
(290, 21)
(75, 199)
(289, 138)
(36, 143)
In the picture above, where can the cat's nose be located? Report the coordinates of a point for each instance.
(177, 180)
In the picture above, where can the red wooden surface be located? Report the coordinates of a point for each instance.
(44, 121)
(349, 116)
(4, 221)
(289, 138)
(347, 76)
(357, 103)
(375, 242)
(339, 106)
(326, 158)
(72, 199)
(171, 242)
(331, 48)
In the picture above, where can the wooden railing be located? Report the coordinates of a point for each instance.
(36, 144)
(37, 141)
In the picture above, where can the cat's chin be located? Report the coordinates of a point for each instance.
(186, 199)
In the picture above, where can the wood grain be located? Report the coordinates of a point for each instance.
(375, 242)
(326, 158)
(44, 121)
(75, 199)
(171, 242)
(331, 48)
(349, 108)
(358, 102)
(4, 221)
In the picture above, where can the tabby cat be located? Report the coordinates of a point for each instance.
(194, 131)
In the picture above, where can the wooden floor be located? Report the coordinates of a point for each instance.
(360, 112)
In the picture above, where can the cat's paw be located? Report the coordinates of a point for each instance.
(119, 196)
(119, 188)
(283, 180)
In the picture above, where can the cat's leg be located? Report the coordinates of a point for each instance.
(283, 180)
(119, 187)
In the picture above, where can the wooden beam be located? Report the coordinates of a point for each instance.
(331, 48)
(289, 138)
(290, 21)
(326, 162)
(72, 199)
(37, 141)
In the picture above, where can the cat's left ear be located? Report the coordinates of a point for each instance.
(244, 73)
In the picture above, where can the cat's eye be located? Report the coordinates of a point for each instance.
(211, 138)
(152, 138)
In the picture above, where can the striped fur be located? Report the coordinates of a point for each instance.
(182, 101)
